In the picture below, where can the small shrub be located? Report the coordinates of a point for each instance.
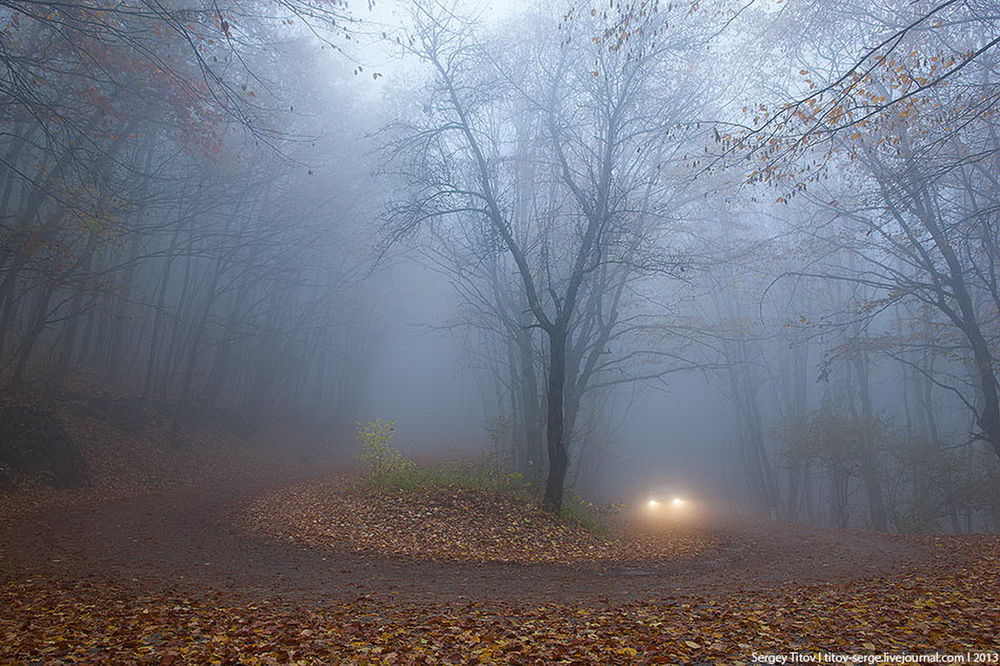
(586, 514)
(377, 452)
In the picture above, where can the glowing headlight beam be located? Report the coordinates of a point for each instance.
(677, 501)
(653, 504)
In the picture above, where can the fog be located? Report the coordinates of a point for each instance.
(747, 250)
(423, 378)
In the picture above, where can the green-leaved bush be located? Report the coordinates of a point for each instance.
(377, 452)
(389, 470)
(597, 518)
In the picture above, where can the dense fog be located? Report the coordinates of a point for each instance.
(749, 250)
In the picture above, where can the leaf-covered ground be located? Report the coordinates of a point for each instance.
(453, 524)
(173, 578)
(946, 609)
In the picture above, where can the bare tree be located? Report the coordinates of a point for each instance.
(579, 208)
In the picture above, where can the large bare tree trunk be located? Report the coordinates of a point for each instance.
(555, 434)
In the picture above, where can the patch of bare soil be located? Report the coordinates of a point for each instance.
(454, 524)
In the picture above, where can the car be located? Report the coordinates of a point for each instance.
(665, 498)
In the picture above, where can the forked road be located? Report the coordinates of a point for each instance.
(192, 542)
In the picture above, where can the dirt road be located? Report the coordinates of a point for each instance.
(191, 542)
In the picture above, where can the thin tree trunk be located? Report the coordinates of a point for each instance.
(869, 460)
(38, 322)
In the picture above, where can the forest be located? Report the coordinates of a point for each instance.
(436, 331)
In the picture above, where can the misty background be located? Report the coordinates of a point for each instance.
(764, 236)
